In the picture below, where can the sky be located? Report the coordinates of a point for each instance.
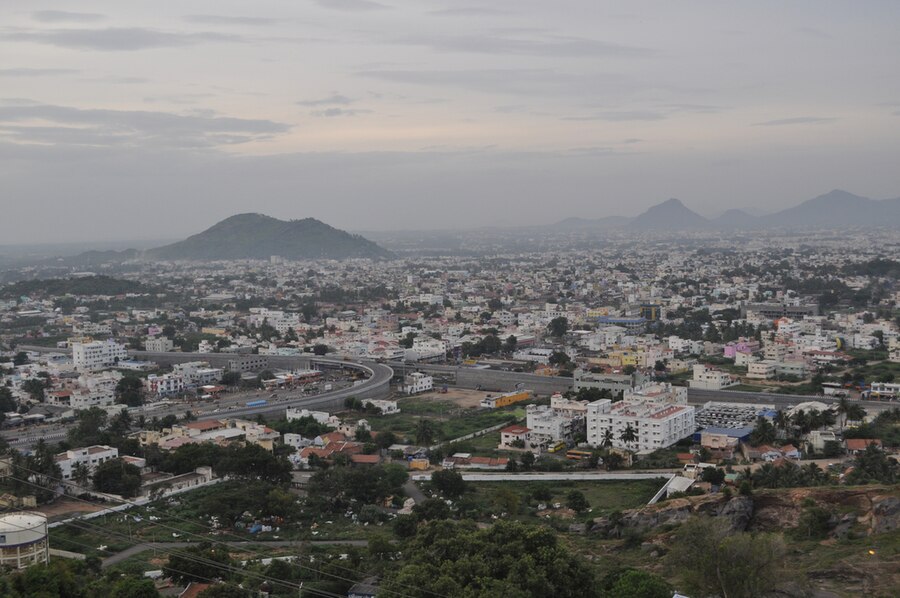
(155, 119)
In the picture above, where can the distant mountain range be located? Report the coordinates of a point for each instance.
(836, 209)
(256, 236)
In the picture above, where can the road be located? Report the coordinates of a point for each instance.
(549, 476)
(376, 385)
(130, 552)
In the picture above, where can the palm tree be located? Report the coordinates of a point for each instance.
(628, 435)
(855, 412)
(608, 438)
(842, 407)
(81, 473)
(781, 420)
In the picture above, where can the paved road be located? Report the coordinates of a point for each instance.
(130, 552)
(547, 476)
(413, 491)
(376, 383)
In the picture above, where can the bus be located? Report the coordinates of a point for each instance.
(578, 455)
(258, 403)
(557, 447)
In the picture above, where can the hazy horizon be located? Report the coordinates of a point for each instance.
(154, 121)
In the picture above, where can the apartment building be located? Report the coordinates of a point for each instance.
(417, 382)
(91, 456)
(97, 355)
(709, 379)
(656, 424)
(159, 344)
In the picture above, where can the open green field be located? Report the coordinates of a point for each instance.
(604, 497)
(450, 420)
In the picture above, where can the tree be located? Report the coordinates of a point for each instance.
(320, 349)
(81, 473)
(227, 590)
(576, 501)
(713, 560)
(874, 466)
(231, 379)
(613, 461)
(7, 402)
(713, 475)
(425, 432)
(558, 358)
(199, 563)
(527, 460)
(449, 483)
(431, 509)
(763, 433)
(509, 346)
(632, 583)
(507, 500)
(558, 326)
(385, 439)
(628, 435)
(35, 387)
(117, 477)
(608, 438)
(505, 559)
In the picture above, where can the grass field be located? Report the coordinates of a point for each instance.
(604, 497)
(450, 420)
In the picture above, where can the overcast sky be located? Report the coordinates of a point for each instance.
(156, 119)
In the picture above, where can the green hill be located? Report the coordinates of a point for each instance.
(256, 236)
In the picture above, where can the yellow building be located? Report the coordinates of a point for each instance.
(506, 399)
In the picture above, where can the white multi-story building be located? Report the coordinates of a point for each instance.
(91, 456)
(159, 344)
(656, 424)
(97, 355)
(709, 379)
(91, 329)
(294, 413)
(761, 370)
(548, 426)
(197, 373)
(387, 407)
(165, 385)
(417, 382)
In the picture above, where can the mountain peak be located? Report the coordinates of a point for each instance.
(671, 214)
(258, 236)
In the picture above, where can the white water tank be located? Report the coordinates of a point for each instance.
(23, 540)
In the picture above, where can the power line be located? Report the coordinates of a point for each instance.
(172, 517)
(84, 525)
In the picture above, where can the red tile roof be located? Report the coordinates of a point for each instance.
(860, 444)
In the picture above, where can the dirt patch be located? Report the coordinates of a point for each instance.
(66, 507)
(458, 396)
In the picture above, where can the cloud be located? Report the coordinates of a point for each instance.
(519, 82)
(228, 20)
(29, 124)
(351, 5)
(119, 80)
(114, 39)
(28, 72)
(61, 16)
(334, 98)
(470, 11)
(331, 112)
(621, 116)
(799, 120)
(544, 46)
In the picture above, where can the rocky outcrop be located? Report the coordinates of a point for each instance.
(864, 510)
(738, 511)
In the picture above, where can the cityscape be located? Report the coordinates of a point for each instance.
(433, 355)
